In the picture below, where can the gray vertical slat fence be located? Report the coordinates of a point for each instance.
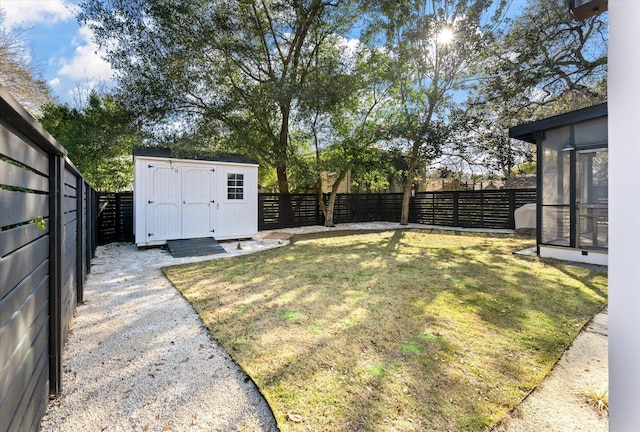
(41, 271)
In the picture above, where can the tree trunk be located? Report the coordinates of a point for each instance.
(281, 150)
(408, 184)
(283, 182)
(328, 213)
(328, 216)
(406, 198)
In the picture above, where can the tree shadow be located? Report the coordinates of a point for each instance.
(398, 332)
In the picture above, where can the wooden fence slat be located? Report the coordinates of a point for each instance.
(12, 175)
(32, 312)
(69, 204)
(39, 400)
(20, 148)
(26, 381)
(15, 238)
(69, 217)
(12, 301)
(16, 266)
(70, 179)
(70, 191)
(19, 207)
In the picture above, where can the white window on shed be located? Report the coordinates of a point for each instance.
(235, 186)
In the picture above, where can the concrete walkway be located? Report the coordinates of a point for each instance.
(558, 404)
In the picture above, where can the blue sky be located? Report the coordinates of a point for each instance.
(65, 52)
(59, 46)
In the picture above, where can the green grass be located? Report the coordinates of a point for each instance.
(397, 330)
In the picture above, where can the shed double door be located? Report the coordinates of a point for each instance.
(180, 202)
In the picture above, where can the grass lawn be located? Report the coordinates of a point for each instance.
(395, 330)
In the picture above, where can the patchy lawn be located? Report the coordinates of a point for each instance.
(395, 330)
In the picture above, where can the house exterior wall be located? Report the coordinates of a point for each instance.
(624, 207)
(179, 198)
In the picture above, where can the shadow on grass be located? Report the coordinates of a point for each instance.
(399, 330)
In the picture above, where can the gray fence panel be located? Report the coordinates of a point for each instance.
(41, 270)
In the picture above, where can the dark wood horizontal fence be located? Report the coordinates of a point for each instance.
(493, 209)
(115, 217)
(466, 209)
(46, 245)
(288, 210)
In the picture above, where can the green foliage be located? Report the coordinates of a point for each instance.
(547, 63)
(39, 221)
(433, 46)
(525, 168)
(99, 138)
(544, 64)
(238, 64)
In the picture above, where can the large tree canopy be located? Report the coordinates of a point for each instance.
(99, 138)
(543, 63)
(241, 63)
(271, 78)
(547, 59)
(433, 46)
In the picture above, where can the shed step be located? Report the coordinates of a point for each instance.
(194, 247)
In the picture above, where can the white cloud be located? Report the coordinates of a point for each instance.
(30, 12)
(82, 72)
(87, 62)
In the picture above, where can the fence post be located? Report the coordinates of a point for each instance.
(88, 226)
(512, 208)
(412, 209)
(95, 202)
(260, 214)
(280, 211)
(456, 197)
(56, 240)
(118, 219)
(482, 208)
(79, 243)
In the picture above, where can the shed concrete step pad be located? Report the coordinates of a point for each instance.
(194, 247)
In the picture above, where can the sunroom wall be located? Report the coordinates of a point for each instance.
(556, 182)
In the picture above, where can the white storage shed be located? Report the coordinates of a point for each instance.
(177, 198)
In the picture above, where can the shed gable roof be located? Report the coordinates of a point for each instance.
(163, 152)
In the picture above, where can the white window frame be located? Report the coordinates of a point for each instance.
(232, 176)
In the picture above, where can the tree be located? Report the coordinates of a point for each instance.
(18, 73)
(479, 140)
(340, 110)
(546, 63)
(241, 63)
(432, 44)
(99, 138)
(543, 64)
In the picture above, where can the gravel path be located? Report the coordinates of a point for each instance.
(138, 358)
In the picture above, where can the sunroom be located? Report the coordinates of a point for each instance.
(572, 189)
